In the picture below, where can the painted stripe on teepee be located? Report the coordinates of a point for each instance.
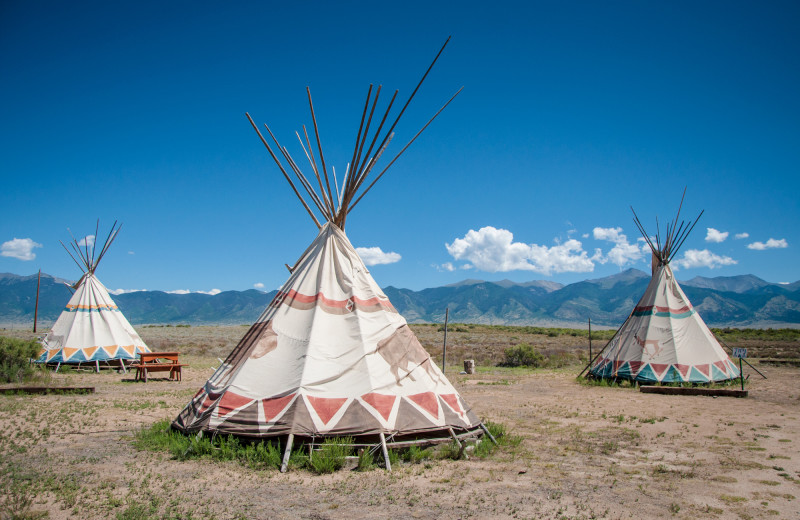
(230, 402)
(664, 312)
(300, 301)
(111, 350)
(427, 401)
(326, 407)
(382, 403)
(273, 407)
(89, 352)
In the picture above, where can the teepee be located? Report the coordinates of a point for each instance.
(91, 329)
(664, 339)
(331, 356)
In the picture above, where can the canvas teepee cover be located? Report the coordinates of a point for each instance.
(330, 356)
(91, 328)
(664, 339)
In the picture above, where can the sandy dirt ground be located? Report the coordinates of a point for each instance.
(585, 452)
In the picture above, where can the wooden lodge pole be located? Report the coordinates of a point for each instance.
(36, 308)
(444, 346)
(590, 338)
(287, 452)
(385, 452)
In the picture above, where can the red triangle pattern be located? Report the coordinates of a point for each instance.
(452, 402)
(231, 402)
(635, 366)
(427, 401)
(659, 369)
(274, 406)
(326, 407)
(382, 403)
(704, 369)
(617, 364)
(721, 366)
(683, 369)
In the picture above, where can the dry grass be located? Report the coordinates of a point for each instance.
(582, 451)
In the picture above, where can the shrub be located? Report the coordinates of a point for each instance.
(15, 359)
(366, 460)
(523, 355)
(415, 454)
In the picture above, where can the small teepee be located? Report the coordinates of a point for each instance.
(664, 339)
(91, 329)
(331, 356)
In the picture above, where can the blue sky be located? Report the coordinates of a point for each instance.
(571, 112)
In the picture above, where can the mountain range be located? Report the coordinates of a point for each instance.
(737, 301)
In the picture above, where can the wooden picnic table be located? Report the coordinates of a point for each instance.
(158, 362)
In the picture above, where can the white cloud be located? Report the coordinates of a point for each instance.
(19, 248)
(447, 266)
(739, 236)
(493, 250)
(117, 292)
(87, 241)
(212, 292)
(375, 256)
(713, 235)
(260, 286)
(131, 253)
(772, 243)
(702, 258)
(622, 253)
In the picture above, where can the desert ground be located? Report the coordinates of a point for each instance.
(583, 452)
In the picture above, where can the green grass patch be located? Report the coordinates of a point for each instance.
(331, 455)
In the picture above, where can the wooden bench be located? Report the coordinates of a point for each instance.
(158, 362)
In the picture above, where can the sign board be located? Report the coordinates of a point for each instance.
(740, 352)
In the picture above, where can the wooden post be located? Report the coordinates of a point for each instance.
(36, 308)
(287, 452)
(444, 347)
(469, 366)
(385, 452)
(590, 338)
(461, 445)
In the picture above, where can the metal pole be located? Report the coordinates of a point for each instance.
(444, 347)
(741, 373)
(754, 368)
(36, 309)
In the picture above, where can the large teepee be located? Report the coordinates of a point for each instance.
(664, 339)
(91, 329)
(330, 356)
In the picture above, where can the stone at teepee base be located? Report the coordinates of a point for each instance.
(469, 366)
